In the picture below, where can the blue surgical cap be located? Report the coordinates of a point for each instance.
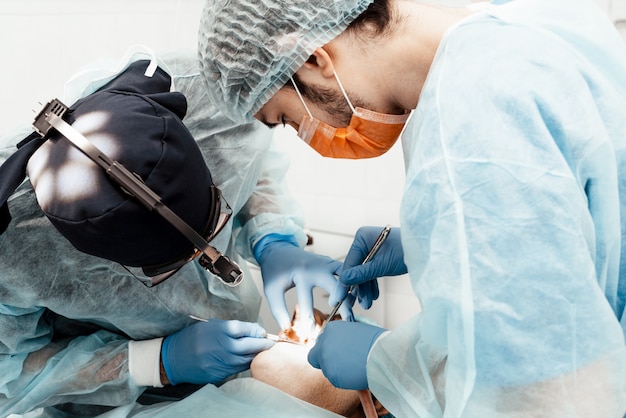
(250, 48)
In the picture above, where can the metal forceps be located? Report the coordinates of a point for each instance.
(372, 252)
(269, 336)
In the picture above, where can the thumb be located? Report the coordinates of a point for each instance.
(313, 357)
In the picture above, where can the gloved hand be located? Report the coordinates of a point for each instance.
(285, 265)
(341, 353)
(209, 352)
(388, 261)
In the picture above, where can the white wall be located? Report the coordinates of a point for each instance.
(43, 42)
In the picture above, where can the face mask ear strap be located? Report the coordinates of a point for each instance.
(301, 98)
(344, 91)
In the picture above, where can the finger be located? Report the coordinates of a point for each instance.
(338, 294)
(239, 363)
(375, 291)
(320, 268)
(365, 300)
(249, 346)
(320, 275)
(367, 293)
(345, 310)
(238, 329)
(356, 254)
(315, 353)
(329, 283)
(278, 306)
(360, 274)
(305, 304)
(349, 300)
(335, 267)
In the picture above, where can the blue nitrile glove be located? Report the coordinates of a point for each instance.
(388, 261)
(341, 352)
(209, 352)
(285, 265)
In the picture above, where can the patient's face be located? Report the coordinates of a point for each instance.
(285, 366)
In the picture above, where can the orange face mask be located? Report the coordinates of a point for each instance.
(369, 134)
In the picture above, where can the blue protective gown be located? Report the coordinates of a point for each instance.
(66, 317)
(513, 221)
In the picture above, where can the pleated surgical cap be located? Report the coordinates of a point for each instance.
(250, 48)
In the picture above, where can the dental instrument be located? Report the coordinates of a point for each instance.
(269, 336)
(372, 252)
(279, 339)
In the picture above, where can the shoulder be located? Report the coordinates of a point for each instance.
(492, 56)
(486, 67)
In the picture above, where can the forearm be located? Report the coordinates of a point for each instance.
(88, 370)
(162, 374)
(270, 208)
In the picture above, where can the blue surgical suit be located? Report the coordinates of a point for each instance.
(66, 317)
(513, 222)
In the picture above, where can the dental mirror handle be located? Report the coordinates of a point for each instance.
(372, 252)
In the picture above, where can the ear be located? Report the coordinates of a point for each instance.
(320, 62)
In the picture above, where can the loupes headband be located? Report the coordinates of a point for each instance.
(142, 129)
(51, 116)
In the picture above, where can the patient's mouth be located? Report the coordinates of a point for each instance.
(304, 330)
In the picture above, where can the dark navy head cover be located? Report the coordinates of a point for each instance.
(137, 121)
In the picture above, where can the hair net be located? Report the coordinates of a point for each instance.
(249, 49)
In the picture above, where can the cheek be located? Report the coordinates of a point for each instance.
(282, 365)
